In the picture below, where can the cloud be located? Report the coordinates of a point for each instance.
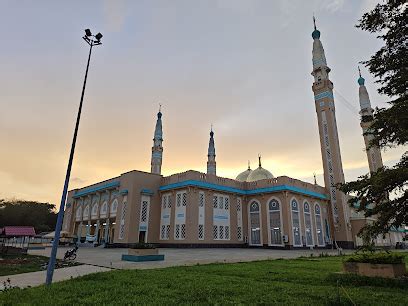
(78, 180)
(114, 14)
(333, 5)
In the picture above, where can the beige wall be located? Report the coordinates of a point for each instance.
(132, 183)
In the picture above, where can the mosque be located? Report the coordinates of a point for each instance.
(194, 209)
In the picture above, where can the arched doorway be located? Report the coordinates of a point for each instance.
(254, 223)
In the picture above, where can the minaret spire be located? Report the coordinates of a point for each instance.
(374, 153)
(249, 165)
(211, 164)
(259, 160)
(157, 149)
(329, 142)
(314, 22)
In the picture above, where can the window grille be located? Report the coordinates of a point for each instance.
(215, 201)
(221, 203)
(201, 231)
(163, 232)
(178, 200)
(184, 199)
(239, 233)
(167, 231)
(239, 205)
(183, 231)
(227, 232)
(144, 212)
(215, 231)
(221, 232)
(226, 204)
(122, 221)
(201, 200)
(177, 231)
(169, 201)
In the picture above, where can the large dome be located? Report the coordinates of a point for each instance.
(254, 175)
(259, 174)
(242, 177)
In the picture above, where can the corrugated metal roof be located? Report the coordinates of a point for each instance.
(15, 231)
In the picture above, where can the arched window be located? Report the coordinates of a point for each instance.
(255, 222)
(86, 212)
(104, 210)
(308, 224)
(94, 212)
(79, 213)
(319, 226)
(297, 240)
(114, 208)
(275, 226)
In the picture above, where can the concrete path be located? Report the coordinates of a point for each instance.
(33, 279)
(111, 258)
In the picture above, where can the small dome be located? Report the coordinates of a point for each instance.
(259, 174)
(242, 177)
(360, 81)
(316, 34)
(159, 114)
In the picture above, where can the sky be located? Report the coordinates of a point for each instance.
(242, 65)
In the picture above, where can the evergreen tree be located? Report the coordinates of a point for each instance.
(384, 193)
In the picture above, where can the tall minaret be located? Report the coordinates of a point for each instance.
(373, 154)
(211, 164)
(329, 143)
(157, 149)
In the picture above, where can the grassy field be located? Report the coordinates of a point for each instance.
(305, 281)
(16, 264)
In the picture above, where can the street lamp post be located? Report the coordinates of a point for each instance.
(92, 40)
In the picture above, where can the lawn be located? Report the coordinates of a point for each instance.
(16, 264)
(304, 281)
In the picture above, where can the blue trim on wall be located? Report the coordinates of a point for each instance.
(86, 191)
(124, 191)
(241, 191)
(146, 191)
(324, 94)
(220, 217)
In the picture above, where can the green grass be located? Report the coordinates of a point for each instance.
(16, 264)
(304, 281)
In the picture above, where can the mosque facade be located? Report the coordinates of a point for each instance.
(194, 209)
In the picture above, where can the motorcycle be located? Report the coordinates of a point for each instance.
(71, 254)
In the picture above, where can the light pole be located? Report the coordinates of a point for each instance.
(92, 40)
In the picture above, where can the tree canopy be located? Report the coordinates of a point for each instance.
(384, 194)
(41, 216)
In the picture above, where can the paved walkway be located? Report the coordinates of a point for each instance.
(111, 258)
(32, 279)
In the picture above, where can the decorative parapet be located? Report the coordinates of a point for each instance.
(93, 189)
(195, 178)
(254, 191)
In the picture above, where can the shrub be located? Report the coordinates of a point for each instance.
(377, 258)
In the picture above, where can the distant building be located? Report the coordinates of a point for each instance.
(203, 209)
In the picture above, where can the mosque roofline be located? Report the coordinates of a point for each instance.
(96, 185)
(212, 186)
(201, 179)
